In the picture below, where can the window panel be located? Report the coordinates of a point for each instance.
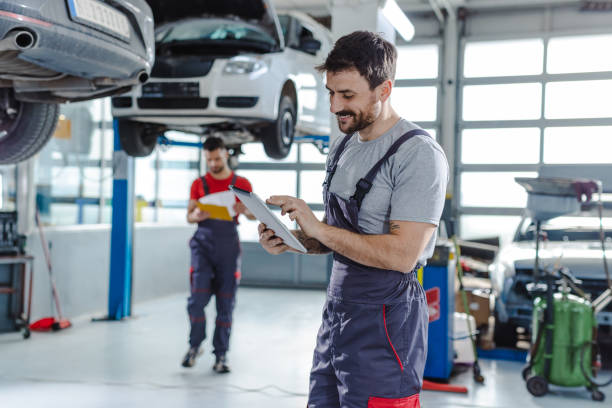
(417, 62)
(502, 101)
(432, 132)
(580, 144)
(418, 103)
(90, 214)
(311, 186)
(92, 181)
(145, 178)
(175, 184)
(486, 226)
(254, 153)
(65, 181)
(578, 99)
(503, 58)
(493, 189)
(501, 146)
(579, 54)
(271, 182)
(64, 214)
(309, 153)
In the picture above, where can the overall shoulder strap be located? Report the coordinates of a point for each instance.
(234, 178)
(333, 165)
(205, 185)
(365, 184)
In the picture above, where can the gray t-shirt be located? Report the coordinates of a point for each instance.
(411, 186)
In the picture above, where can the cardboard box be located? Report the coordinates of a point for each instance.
(478, 303)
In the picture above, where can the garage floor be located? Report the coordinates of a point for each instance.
(136, 363)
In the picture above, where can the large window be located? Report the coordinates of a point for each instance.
(74, 170)
(527, 102)
(301, 174)
(416, 93)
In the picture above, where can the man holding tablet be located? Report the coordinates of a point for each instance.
(383, 193)
(215, 255)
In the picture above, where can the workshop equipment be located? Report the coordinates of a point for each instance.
(438, 280)
(11, 242)
(49, 323)
(476, 366)
(564, 325)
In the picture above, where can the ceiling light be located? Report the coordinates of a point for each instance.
(394, 14)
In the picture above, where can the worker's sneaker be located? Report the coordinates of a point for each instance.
(190, 358)
(221, 366)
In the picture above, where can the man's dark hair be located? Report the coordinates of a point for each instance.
(213, 143)
(369, 53)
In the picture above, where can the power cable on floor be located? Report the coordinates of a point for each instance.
(215, 387)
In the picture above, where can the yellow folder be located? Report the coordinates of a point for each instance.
(217, 212)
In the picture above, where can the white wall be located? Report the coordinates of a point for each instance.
(81, 257)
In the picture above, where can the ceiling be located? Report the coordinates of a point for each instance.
(321, 7)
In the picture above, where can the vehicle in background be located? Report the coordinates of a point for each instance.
(569, 241)
(233, 69)
(63, 51)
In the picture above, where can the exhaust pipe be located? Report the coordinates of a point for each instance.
(24, 40)
(143, 77)
(18, 40)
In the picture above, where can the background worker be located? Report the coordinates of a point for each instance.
(215, 256)
(383, 194)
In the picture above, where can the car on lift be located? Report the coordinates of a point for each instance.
(569, 241)
(233, 69)
(55, 51)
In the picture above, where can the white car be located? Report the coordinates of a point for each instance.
(234, 69)
(570, 241)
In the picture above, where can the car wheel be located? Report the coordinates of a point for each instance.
(278, 137)
(138, 139)
(25, 127)
(504, 334)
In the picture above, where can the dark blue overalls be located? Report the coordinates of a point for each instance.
(372, 343)
(215, 262)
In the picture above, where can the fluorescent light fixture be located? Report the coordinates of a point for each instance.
(394, 14)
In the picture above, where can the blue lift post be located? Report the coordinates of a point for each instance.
(122, 232)
(122, 229)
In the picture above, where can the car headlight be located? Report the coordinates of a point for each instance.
(243, 65)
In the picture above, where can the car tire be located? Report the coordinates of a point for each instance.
(138, 139)
(278, 136)
(28, 132)
(504, 334)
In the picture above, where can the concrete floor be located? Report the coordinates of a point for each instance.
(136, 363)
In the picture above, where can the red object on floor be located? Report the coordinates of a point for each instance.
(43, 324)
(434, 386)
(49, 323)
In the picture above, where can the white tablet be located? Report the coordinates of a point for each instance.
(263, 214)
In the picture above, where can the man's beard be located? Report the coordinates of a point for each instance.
(360, 121)
(217, 170)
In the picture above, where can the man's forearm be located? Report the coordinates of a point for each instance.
(384, 251)
(313, 246)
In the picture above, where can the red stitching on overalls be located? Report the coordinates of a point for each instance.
(407, 402)
(201, 290)
(223, 324)
(195, 319)
(389, 339)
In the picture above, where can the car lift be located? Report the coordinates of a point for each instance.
(122, 228)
